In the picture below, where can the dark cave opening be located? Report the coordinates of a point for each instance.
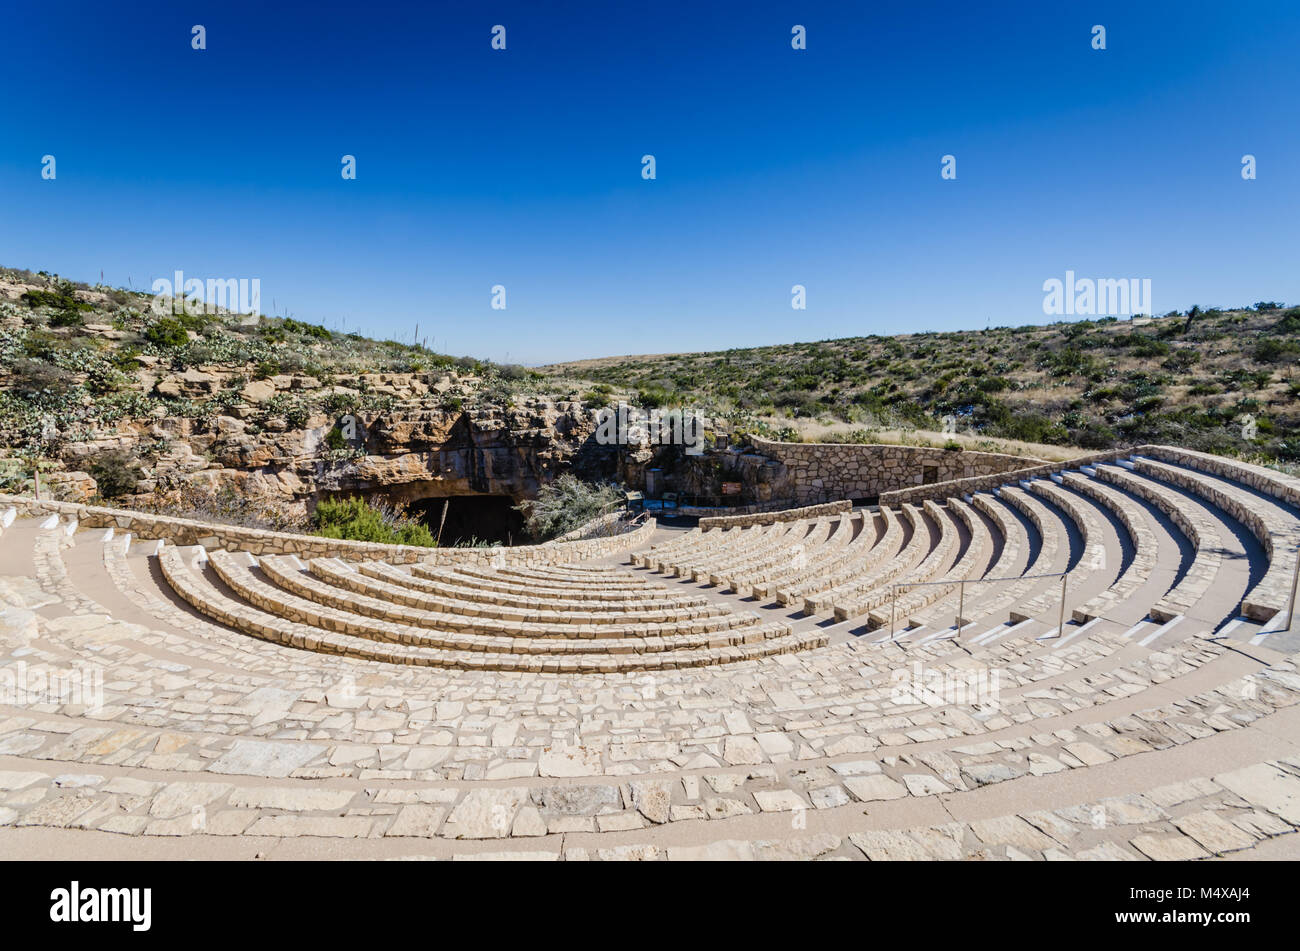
(489, 518)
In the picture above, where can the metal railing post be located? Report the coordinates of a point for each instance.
(1295, 581)
(961, 602)
(1060, 624)
(893, 602)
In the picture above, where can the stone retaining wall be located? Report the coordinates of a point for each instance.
(770, 518)
(182, 531)
(818, 472)
(988, 482)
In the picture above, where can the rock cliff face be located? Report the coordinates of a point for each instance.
(423, 447)
(414, 453)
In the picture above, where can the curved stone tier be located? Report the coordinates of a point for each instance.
(891, 683)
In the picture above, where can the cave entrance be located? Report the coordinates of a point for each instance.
(489, 518)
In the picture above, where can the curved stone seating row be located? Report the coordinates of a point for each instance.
(1011, 562)
(1141, 566)
(1275, 527)
(463, 588)
(265, 611)
(797, 536)
(919, 560)
(663, 556)
(498, 582)
(1092, 555)
(870, 530)
(343, 575)
(819, 547)
(1199, 529)
(305, 591)
(697, 565)
(900, 534)
(788, 549)
(973, 563)
(576, 575)
(998, 599)
(935, 575)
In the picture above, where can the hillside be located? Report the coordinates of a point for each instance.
(1198, 379)
(250, 417)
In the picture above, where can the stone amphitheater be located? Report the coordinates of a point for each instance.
(896, 681)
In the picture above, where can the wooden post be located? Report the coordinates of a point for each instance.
(438, 541)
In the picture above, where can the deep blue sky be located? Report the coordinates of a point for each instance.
(775, 167)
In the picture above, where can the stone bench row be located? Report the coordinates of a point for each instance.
(324, 586)
(856, 561)
(1274, 526)
(921, 550)
(697, 564)
(264, 614)
(463, 588)
(1198, 528)
(697, 544)
(1092, 555)
(784, 515)
(860, 535)
(981, 600)
(1146, 552)
(498, 581)
(820, 547)
(972, 565)
(341, 574)
(787, 551)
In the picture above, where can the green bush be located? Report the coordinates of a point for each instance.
(167, 333)
(353, 518)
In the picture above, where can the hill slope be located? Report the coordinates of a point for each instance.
(1222, 381)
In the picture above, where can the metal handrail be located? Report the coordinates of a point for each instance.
(961, 593)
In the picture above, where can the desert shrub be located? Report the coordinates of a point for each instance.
(353, 518)
(34, 378)
(652, 397)
(226, 505)
(307, 330)
(1096, 435)
(63, 300)
(1272, 350)
(563, 505)
(116, 474)
(167, 333)
(66, 318)
(1289, 324)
